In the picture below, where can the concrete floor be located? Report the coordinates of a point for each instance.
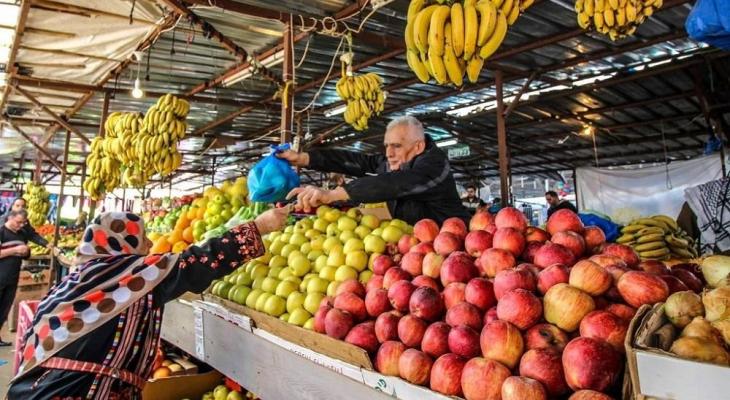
(6, 354)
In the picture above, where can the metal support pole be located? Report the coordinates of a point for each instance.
(104, 113)
(57, 274)
(83, 197)
(575, 189)
(502, 142)
(287, 97)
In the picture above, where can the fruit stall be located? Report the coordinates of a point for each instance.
(165, 108)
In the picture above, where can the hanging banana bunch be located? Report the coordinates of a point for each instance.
(364, 97)
(446, 42)
(36, 197)
(615, 18)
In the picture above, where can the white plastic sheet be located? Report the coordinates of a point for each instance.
(625, 194)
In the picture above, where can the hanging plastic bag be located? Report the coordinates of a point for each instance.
(709, 22)
(610, 229)
(272, 178)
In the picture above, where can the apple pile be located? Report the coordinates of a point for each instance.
(499, 309)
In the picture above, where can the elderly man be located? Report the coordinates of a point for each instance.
(414, 177)
(13, 248)
(27, 230)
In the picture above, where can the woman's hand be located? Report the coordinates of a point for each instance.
(272, 220)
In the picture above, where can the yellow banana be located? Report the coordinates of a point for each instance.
(453, 71)
(608, 17)
(437, 67)
(588, 7)
(599, 6)
(579, 6)
(630, 12)
(613, 4)
(497, 3)
(410, 42)
(659, 253)
(471, 29)
(659, 244)
(684, 253)
(424, 60)
(598, 19)
(524, 5)
(621, 17)
(514, 13)
(650, 238)
(487, 21)
(420, 29)
(669, 221)
(473, 68)
(414, 7)
(583, 20)
(417, 66)
(457, 28)
(496, 39)
(650, 230)
(436, 30)
(506, 7)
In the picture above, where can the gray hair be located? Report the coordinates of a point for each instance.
(408, 121)
(15, 213)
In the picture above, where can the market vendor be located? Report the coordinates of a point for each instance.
(413, 177)
(13, 249)
(96, 334)
(555, 203)
(27, 230)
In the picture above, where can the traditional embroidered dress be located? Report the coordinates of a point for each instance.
(108, 313)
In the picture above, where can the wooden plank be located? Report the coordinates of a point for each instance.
(504, 173)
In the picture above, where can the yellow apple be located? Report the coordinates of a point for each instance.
(299, 317)
(317, 284)
(285, 288)
(344, 273)
(328, 273)
(275, 306)
(353, 244)
(311, 302)
(294, 301)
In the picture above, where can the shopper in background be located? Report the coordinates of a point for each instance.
(413, 177)
(27, 230)
(496, 205)
(471, 201)
(95, 335)
(556, 203)
(13, 249)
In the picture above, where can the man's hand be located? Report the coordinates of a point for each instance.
(272, 220)
(22, 250)
(296, 159)
(309, 197)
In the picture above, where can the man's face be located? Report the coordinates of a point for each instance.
(18, 204)
(471, 192)
(402, 145)
(551, 200)
(16, 222)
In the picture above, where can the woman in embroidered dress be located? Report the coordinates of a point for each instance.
(96, 333)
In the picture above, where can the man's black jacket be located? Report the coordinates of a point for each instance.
(422, 188)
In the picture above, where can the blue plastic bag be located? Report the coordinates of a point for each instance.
(610, 229)
(709, 22)
(272, 178)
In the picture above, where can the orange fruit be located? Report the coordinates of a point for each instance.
(188, 234)
(192, 213)
(175, 236)
(162, 245)
(162, 372)
(182, 222)
(179, 246)
(201, 213)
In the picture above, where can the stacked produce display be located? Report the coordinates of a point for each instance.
(615, 18)
(363, 95)
(38, 203)
(68, 239)
(658, 238)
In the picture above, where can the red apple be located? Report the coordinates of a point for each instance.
(606, 326)
(415, 367)
(480, 292)
(426, 303)
(375, 282)
(491, 228)
(337, 323)
(572, 241)
(482, 379)
(464, 314)
(531, 249)
(406, 242)
(464, 341)
(423, 248)
(353, 286)
(535, 234)
(377, 302)
(458, 267)
(348, 301)
(427, 281)
(327, 301)
(621, 310)
(589, 395)
(564, 220)
(509, 239)
(386, 326)
(655, 267)
(394, 275)
(399, 295)
(426, 230)
(411, 330)
(521, 388)
(545, 336)
(447, 243)
(673, 283)
(551, 253)
(494, 260)
(551, 276)
(388, 357)
(606, 260)
(534, 269)
(520, 307)
(363, 335)
(602, 302)
(594, 238)
(456, 226)
(477, 241)
(626, 253)
(446, 374)
(516, 278)
(590, 278)
(565, 306)
(490, 315)
(510, 217)
(638, 288)
(481, 220)
(545, 366)
(692, 268)
(501, 341)
(412, 263)
(591, 364)
(454, 293)
(319, 317)
(616, 271)
(689, 279)
(382, 263)
(431, 265)
(435, 341)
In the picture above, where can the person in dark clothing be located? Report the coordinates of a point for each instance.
(13, 249)
(471, 201)
(556, 203)
(30, 234)
(95, 335)
(413, 177)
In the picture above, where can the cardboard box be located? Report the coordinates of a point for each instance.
(382, 213)
(181, 387)
(658, 374)
(27, 278)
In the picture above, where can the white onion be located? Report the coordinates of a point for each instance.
(717, 303)
(716, 270)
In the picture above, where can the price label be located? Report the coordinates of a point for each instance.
(199, 333)
(378, 382)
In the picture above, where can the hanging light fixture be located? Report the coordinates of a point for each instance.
(137, 92)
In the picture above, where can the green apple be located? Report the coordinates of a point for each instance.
(318, 242)
(249, 266)
(377, 232)
(320, 263)
(353, 244)
(357, 260)
(321, 224)
(252, 297)
(317, 284)
(332, 230)
(305, 248)
(365, 276)
(344, 273)
(335, 259)
(294, 301)
(277, 261)
(362, 231)
(285, 273)
(285, 288)
(241, 294)
(256, 284)
(322, 210)
(309, 324)
(330, 243)
(299, 317)
(374, 244)
(399, 223)
(384, 224)
(314, 255)
(328, 273)
(297, 280)
(244, 278)
(347, 235)
(298, 239)
(289, 229)
(275, 306)
(284, 237)
(259, 271)
(332, 215)
(311, 302)
(294, 254)
(276, 247)
(391, 234)
(312, 233)
(274, 235)
(370, 221)
(261, 301)
(274, 272)
(354, 213)
(220, 392)
(284, 317)
(288, 249)
(265, 258)
(346, 223)
(300, 265)
(269, 285)
(230, 278)
(332, 288)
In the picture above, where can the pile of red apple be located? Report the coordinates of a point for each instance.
(501, 310)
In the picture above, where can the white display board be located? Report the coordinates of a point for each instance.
(627, 193)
